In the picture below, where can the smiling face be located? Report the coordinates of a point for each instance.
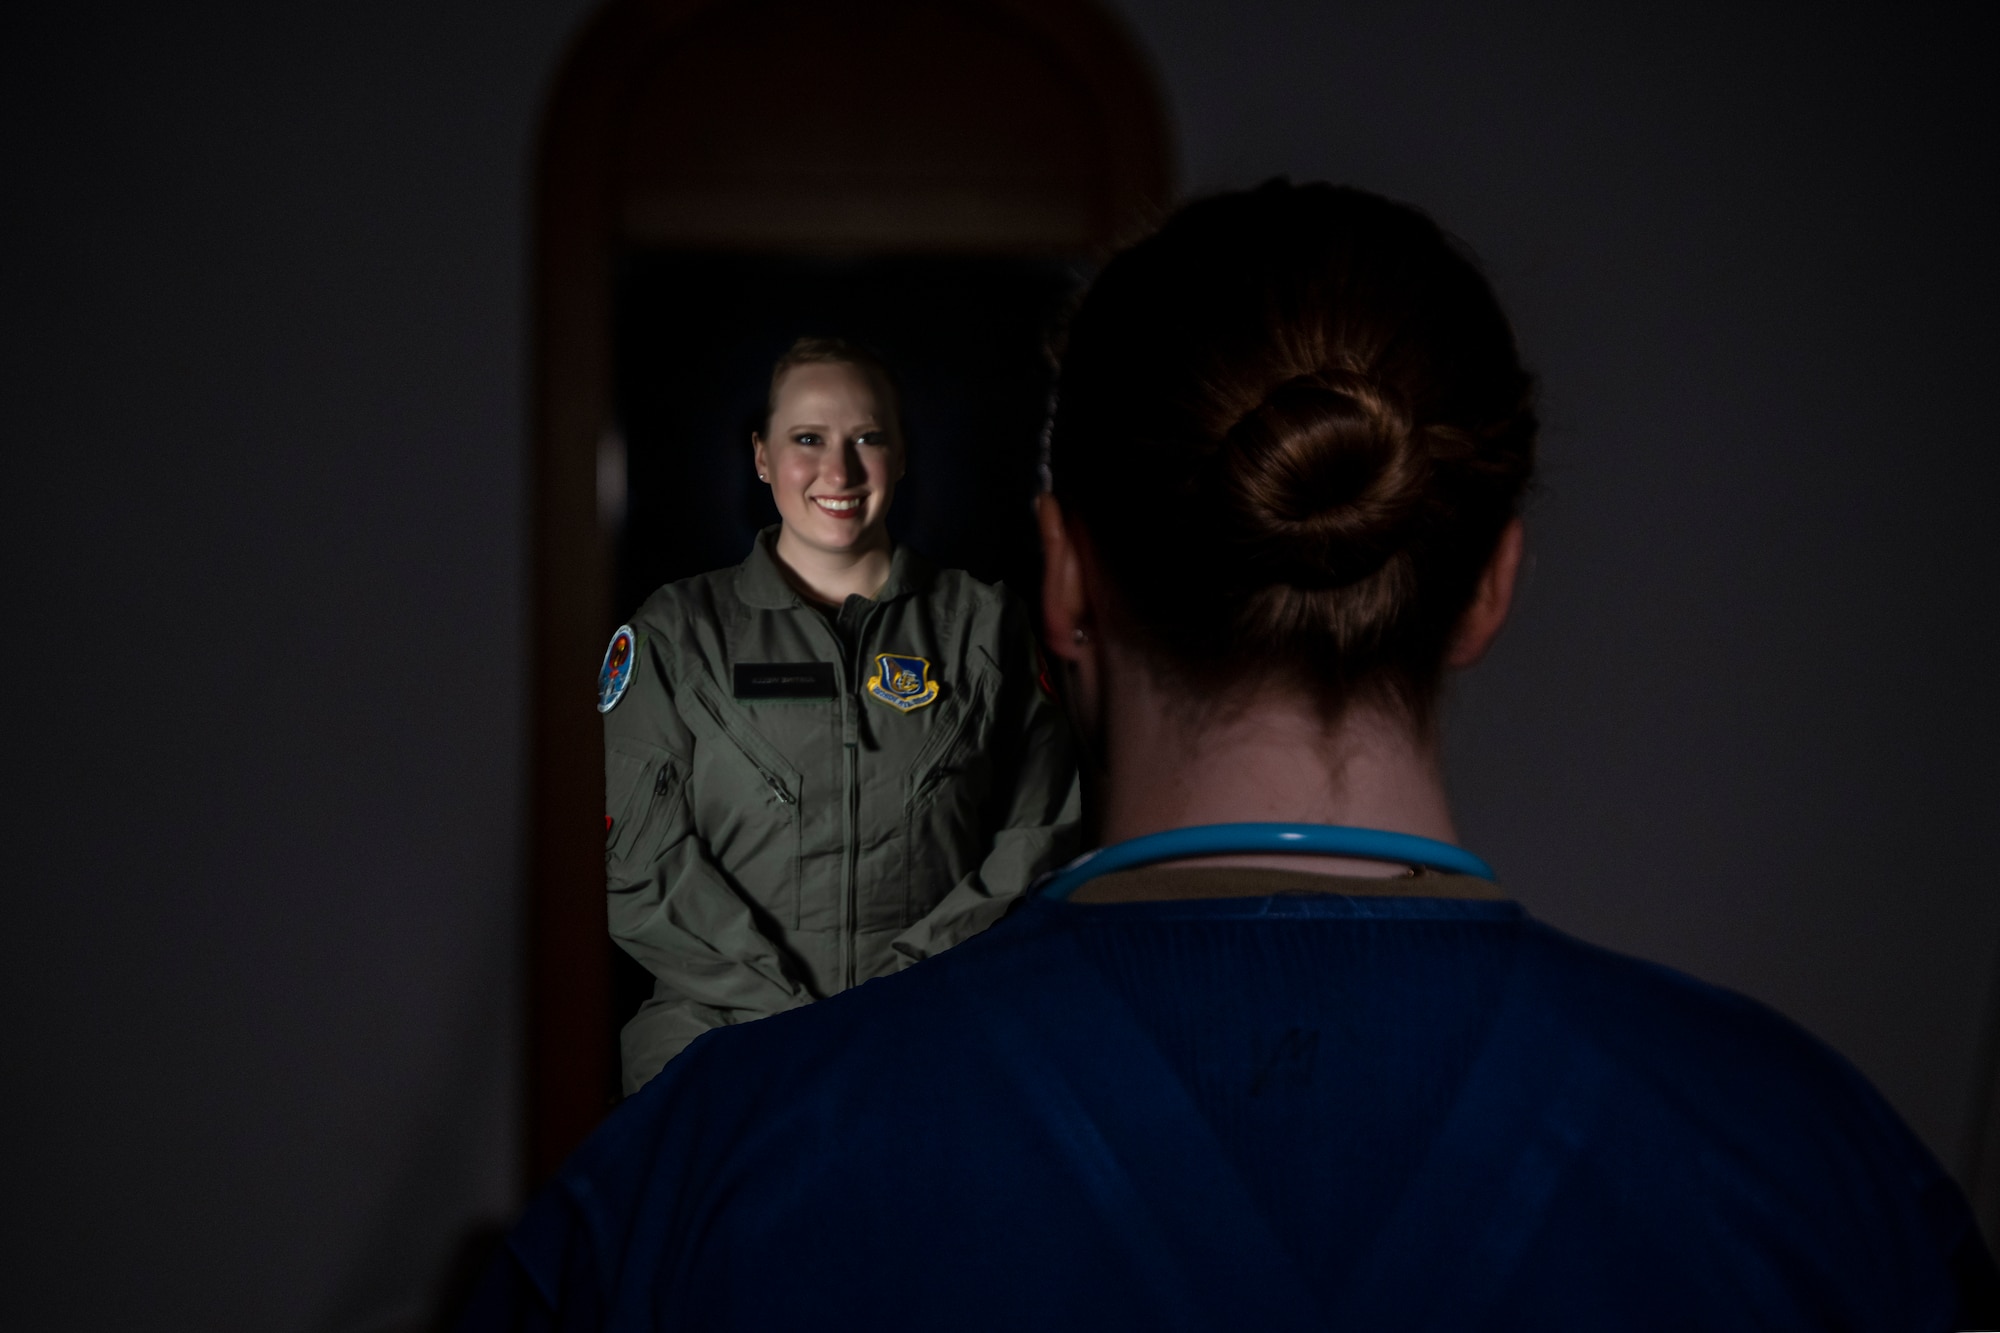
(833, 457)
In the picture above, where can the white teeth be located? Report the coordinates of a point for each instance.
(838, 506)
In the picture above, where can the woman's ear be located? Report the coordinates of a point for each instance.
(1492, 599)
(760, 456)
(1070, 622)
(1065, 607)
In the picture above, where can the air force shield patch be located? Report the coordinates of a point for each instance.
(903, 683)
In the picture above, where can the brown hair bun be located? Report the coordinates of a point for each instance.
(1295, 424)
(1323, 480)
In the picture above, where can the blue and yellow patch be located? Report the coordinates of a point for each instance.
(902, 682)
(616, 673)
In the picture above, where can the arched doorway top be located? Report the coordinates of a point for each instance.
(1013, 126)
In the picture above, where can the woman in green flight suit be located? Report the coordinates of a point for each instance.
(830, 761)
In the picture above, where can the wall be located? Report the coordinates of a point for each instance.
(1744, 722)
(264, 558)
(262, 543)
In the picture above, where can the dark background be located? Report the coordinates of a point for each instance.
(967, 339)
(262, 531)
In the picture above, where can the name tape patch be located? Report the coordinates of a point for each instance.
(784, 680)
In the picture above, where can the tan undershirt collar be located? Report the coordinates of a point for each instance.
(1168, 883)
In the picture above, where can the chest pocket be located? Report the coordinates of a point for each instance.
(948, 795)
(745, 798)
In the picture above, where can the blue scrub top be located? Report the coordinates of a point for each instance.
(1288, 1112)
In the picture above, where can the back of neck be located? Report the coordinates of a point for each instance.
(1271, 760)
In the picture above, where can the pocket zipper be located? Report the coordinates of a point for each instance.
(934, 776)
(772, 780)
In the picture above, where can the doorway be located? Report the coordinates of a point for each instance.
(933, 179)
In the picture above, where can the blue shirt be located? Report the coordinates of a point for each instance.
(1286, 1112)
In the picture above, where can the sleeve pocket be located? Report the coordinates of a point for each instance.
(639, 782)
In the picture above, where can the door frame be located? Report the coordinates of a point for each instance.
(576, 243)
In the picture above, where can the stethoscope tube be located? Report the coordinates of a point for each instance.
(1365, 844)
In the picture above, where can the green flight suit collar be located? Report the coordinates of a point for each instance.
(762, 584)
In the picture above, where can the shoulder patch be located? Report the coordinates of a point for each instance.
(616, 673)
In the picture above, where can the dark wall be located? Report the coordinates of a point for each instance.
(264, 312)
(1745, 722)
(263, 284)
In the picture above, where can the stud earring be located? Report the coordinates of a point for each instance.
(1078, 636)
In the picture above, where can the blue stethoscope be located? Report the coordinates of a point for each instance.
(1367, 844)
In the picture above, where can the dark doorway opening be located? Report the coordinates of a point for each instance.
(684, 233)
(967, 337)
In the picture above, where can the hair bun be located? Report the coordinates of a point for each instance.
(1323, 479)
(1295, 425)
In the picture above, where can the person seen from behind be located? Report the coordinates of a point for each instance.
(1197, 1080)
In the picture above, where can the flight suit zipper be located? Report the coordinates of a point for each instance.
(849, 896)
(850, 889)
(847, 669)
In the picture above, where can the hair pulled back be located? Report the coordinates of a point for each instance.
(819, 350)
(1295, 424)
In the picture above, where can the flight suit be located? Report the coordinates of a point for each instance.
(797, 802)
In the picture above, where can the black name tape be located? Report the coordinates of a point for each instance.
(784, 680)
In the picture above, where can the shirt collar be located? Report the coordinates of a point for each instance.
(762, 584)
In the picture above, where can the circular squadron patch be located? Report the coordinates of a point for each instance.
(616, 673)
